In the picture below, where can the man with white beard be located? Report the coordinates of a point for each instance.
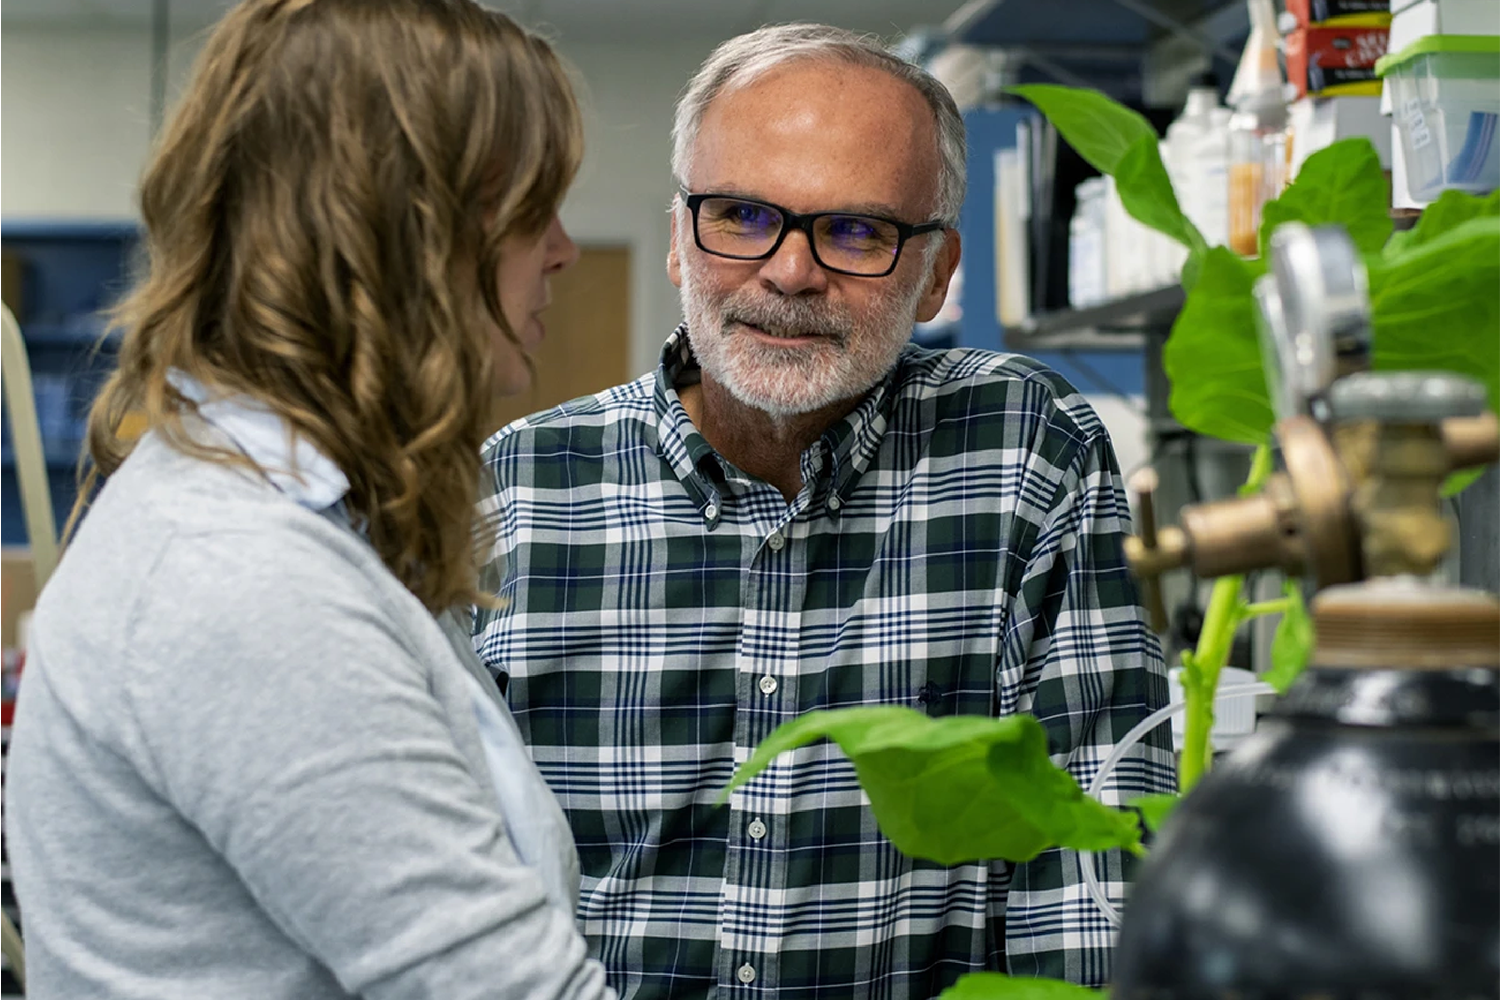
(799, 510)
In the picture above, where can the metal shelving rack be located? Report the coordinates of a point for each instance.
(1191, 467)
(1125, 324)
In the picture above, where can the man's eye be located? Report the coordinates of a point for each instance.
(751, 216)
(852, 229)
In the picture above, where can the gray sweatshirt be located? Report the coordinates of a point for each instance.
(247, 763)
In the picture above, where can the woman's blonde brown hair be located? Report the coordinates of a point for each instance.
(323, 216)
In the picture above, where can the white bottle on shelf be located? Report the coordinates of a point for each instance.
(1170, 255)
(1209, 179)
(1086, 267)
(1117, 256)
(1196, 156)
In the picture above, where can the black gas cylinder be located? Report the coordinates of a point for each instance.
(1350, 848)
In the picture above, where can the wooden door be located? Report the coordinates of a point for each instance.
(587, 344)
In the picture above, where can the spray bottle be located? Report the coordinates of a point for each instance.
(1257, 130)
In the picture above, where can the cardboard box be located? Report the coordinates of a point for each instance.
(1340, 12)
(1331, 62)
(17, 591)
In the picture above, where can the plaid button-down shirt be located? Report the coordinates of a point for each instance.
(956, 547)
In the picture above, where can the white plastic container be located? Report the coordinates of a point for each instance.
(1086, 246)
(1127, 254)
(1196, 154)
(1168, 255)
(1445, 101)
(1208, 179)
(1234, 718)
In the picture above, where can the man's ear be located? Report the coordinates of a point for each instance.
(943, 267)
(674, 262)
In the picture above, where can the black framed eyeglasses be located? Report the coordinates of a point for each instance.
(866, 246)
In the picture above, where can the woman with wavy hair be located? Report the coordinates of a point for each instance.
(254, 755)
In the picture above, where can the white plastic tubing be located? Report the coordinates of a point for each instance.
(1086, 858)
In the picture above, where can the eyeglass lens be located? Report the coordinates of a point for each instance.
(746, 229)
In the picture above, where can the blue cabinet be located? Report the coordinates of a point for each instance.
(1115, 368)
(61, 277)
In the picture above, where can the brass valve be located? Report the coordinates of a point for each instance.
(1355, 501)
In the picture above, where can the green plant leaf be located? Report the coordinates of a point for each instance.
(965, 788)
(1343, 184)
(1460, 481)
(1192, 269)
(1146, 192)
(1099, 127)
(1452, 209)
(1292, 646)
(1213, 356)
(999, 986)
(1119, 142)
(1155, 809)
(1436, 306)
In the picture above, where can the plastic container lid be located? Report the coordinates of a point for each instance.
(1442, 44)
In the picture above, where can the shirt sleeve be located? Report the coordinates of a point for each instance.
(289, 721)
(1077, 654)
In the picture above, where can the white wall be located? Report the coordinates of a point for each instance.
(75, 133)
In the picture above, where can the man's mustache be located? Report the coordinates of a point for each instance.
(786, 317)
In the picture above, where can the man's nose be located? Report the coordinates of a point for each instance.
(792, 269)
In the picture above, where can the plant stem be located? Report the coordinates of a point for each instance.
(1200, 682)
(1277, 607)
(1261, 467)
(1214, 644)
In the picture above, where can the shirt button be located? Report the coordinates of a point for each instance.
(776, 541)
(768, 685)
(834, 503)
(746, 973)
(710, 512)
(757, 829)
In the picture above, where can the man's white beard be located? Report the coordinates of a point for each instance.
(851, 354)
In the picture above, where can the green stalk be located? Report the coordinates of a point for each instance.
(1200, 676)
(1214, 644)
(1279, 606)
(1261, 467)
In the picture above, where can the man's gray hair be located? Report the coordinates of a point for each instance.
(740, 61)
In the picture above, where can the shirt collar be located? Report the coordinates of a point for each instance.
(291, 462)
(852, 442)
(678, 440)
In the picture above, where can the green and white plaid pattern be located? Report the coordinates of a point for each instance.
(957, 548)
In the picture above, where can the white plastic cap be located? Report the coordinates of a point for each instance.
(1258, 78)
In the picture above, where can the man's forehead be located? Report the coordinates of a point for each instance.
(822, 128)
(803, 86)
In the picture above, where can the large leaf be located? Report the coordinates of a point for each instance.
(1452, 209)
(1436, 306)
(1100, 128)
(998, 986)
(1146, 192)
(1122, 143)
(966, 788)
(1342, 184)
(1155, 809)
(1292, 645)
(1213, 356)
